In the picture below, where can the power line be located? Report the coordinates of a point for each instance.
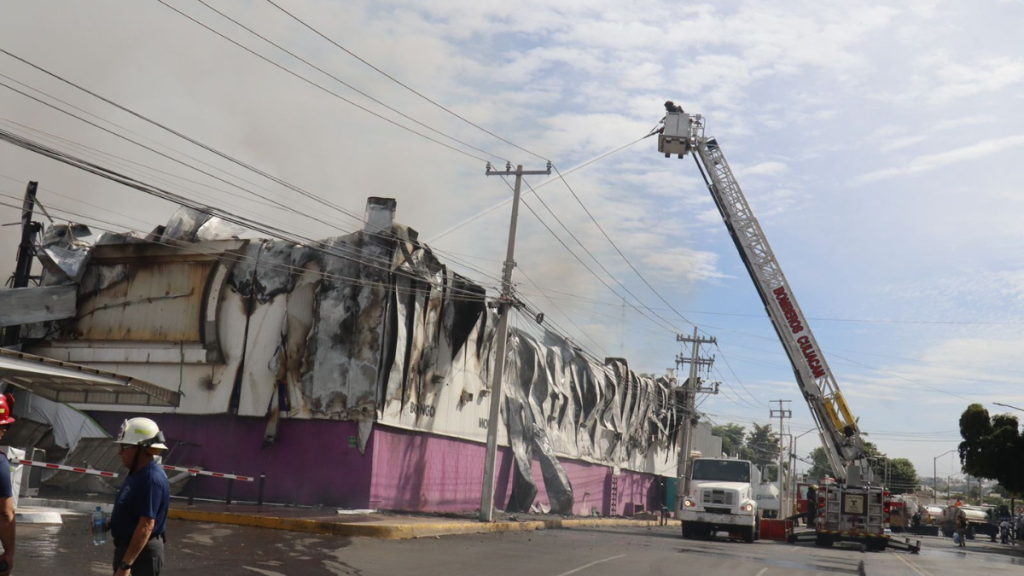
(167, 156)
(400, 83)
(263, 264)
(180, 135)
(817, 319)
(479, 215)
(591, 254)
(327, 90)
(98, 170)
(178, 161)
(530, 208)
(616, 247)
(342, 82)
(567, 317)
(362, 257)
(348, 213)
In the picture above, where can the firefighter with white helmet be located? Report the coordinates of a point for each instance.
(6, 490)
(138, 522)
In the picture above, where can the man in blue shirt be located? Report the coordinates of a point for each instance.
(139, 519)
(6, 490)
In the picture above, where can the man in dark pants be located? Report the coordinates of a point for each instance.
(139, 519)
(6, 491)
(812, 507)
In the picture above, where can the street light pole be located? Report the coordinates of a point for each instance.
(935, 477)
(792, 460)
(1008, 406)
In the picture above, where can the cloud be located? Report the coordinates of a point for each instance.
(684, 263)
(956, 80)
(763, 169)
(930, 162)
(900, 143)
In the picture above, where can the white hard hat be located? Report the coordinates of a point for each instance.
(141, 432)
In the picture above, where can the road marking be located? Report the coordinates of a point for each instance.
(762, 571)
(919, 569)
(585, 566)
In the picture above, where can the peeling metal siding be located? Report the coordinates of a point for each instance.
(151, 302)
(332, 338)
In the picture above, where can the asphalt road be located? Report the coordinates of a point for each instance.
(208, 549)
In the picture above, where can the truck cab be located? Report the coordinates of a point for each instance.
(724, 495)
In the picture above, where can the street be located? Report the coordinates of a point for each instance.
(209, 549)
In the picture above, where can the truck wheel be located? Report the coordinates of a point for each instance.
(823, 541)
(748, 535)
(687, 531)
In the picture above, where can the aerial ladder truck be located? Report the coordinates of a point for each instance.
(853, 507)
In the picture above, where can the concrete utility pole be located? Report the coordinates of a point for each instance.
(691, 387)
(501, 337)
(23, 268)
(782, 413)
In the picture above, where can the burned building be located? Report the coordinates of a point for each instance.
(353, 372)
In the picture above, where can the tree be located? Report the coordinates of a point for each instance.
(992, 448)
(820, 467)
(901, 471)
(902, 476)
(732, 437)
(763, 448)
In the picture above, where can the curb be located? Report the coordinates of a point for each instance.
(396, 531)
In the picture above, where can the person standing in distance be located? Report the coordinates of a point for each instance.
(139, 519)
(6, 490)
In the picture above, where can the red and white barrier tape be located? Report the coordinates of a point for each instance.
(67, 468)
(80, 470)
(197, 472)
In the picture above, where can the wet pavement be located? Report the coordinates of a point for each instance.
(210, 549)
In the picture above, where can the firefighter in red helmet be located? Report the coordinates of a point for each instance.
(6, 490)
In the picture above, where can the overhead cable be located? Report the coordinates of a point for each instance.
(400, 83)
(318, 86)
(344, 83)
(98, 170)
(617, 249)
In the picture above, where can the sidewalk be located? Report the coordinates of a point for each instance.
(327, 520)
(374, 524)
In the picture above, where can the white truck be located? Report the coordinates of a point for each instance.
(726, 495)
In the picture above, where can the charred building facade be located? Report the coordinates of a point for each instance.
(354, 372)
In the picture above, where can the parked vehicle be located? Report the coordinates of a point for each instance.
(725, 495)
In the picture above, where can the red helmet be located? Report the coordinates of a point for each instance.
(6, 405)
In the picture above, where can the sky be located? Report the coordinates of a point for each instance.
(876, 142)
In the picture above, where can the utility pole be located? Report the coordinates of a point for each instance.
(782, 413)
(23, 268)
(691, 387)
(501, 337)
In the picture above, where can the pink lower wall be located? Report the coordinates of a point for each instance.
(312, 462)
(415, 471)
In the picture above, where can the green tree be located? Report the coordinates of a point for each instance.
(901, 470)
(732, 437)
(763, 447)
(992, 448)
(902, 476)
(820, 465)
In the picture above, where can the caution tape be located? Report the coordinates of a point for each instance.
(105, 474)
(197, 472)
(76, 469)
